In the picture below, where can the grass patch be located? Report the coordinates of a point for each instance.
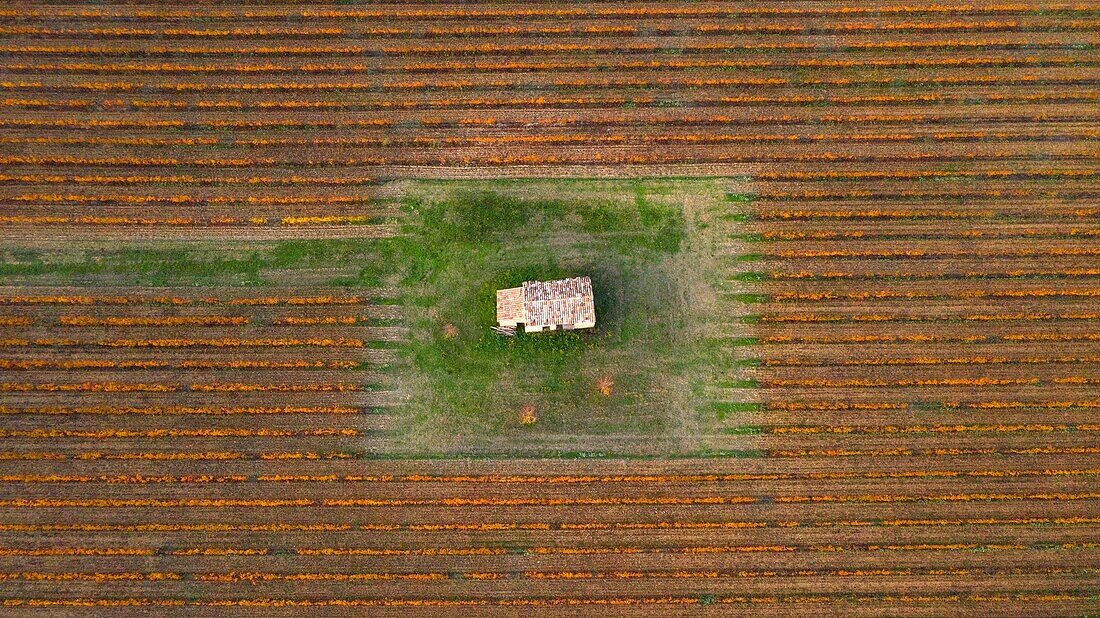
(739, 384)
(749, 276)
(742, 198)
(730, 454)
(470, 384)
(744, 430)
(749, 298)
(727, 407)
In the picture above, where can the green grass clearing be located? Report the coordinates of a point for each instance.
(467, 385)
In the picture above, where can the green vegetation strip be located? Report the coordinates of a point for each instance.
(237, 263)
(742, 198)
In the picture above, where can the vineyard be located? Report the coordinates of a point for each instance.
(845, 255)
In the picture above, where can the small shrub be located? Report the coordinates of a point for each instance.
(605, 385)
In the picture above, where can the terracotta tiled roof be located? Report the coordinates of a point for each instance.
(564, 302)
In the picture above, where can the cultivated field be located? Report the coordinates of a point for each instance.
(848, 353)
